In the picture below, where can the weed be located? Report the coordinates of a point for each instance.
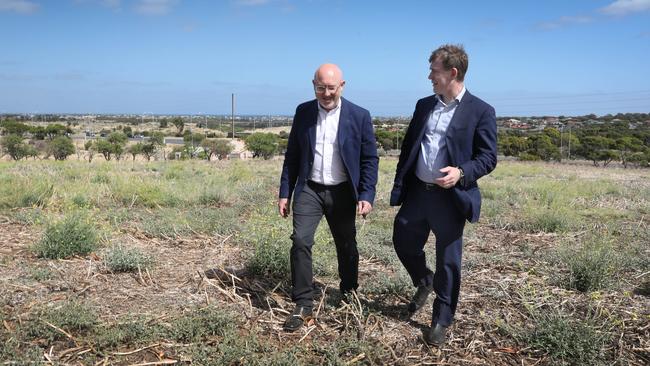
(40, 273)
(567, 339)
(73, 235)
(71, 316)
(270, 258)
(130, 333)
(119, 258)
(201, 324)
(592, 265)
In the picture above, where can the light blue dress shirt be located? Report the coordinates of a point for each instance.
(433, 148)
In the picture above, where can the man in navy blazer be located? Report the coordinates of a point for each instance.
(330, 169)
(450, 143)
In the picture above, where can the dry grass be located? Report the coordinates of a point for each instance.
(154, 315)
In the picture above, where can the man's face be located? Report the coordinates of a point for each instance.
(328, 90)
(441, 78)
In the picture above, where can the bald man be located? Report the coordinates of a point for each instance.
(330, 169)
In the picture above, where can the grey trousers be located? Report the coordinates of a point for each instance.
(338, 205)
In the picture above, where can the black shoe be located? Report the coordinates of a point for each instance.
(297, 318)
(348, 297)
(436, 335)
(420, 298)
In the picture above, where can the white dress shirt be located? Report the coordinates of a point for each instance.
(433, 148)
(328, 167)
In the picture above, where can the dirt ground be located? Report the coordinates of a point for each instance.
(178, 283)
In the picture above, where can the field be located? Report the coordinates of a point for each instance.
(104, 263)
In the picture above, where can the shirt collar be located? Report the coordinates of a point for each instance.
(457, 99)
(334, 110)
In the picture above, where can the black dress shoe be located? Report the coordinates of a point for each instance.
(297, 318)
(420, 298)
(436, 335)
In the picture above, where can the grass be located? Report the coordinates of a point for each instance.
(582, 229)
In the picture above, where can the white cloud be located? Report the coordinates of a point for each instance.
(564, 21)
(154, 7)
(625, 7)
(18, 6)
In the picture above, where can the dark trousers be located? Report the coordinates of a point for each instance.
(424, 211)
(338, 206)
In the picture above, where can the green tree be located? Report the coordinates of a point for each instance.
(91, 148)
(14, 146)
(542, 146)
(135, 149)
(31, 151)
(510, 145)
(627, 146)
(14, 128)
(61, 147)
(105, 148)
(220, 148)
(56, 129)
(180, 125)
(193, 139)
(596, 148)
(163, 123)
(262, 144)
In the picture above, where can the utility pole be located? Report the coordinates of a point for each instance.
(232, 115)
(569, 143)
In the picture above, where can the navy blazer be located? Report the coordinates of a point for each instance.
(356, 140)
(471, 143)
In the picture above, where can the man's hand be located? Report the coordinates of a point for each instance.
(364, 208)
(450, 179)
(284, 207)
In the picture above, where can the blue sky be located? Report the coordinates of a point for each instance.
(551, 57)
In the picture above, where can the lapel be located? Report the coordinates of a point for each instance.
(312, 120)
(458, 121)
(344, 124)
(420, 127)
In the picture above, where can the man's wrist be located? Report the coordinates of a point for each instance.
(461, 178)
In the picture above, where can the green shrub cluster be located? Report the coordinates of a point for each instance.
(73, 235)
(120, 258)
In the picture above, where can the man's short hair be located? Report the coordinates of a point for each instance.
(452, 56)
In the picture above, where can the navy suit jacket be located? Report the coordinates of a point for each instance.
(472, 145)
(356, 140)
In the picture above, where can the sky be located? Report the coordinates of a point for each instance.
(526, 58)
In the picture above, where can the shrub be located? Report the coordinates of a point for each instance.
(592, 265)
(270, 257)
(71, 316)
(202, 323)
(73, 235)
(567, 339)
(122, 259)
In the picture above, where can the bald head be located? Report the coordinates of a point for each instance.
(328, 85)
(328, 72)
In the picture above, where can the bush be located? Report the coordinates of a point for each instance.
(202, 323)
(567, 339)
(72, 316)
(270, 258)
(592, 265)
(73, 235)
(122, 259)
(61, 147)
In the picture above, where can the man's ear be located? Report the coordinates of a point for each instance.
(454, 72)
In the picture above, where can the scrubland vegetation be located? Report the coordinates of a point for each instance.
(104, 263)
